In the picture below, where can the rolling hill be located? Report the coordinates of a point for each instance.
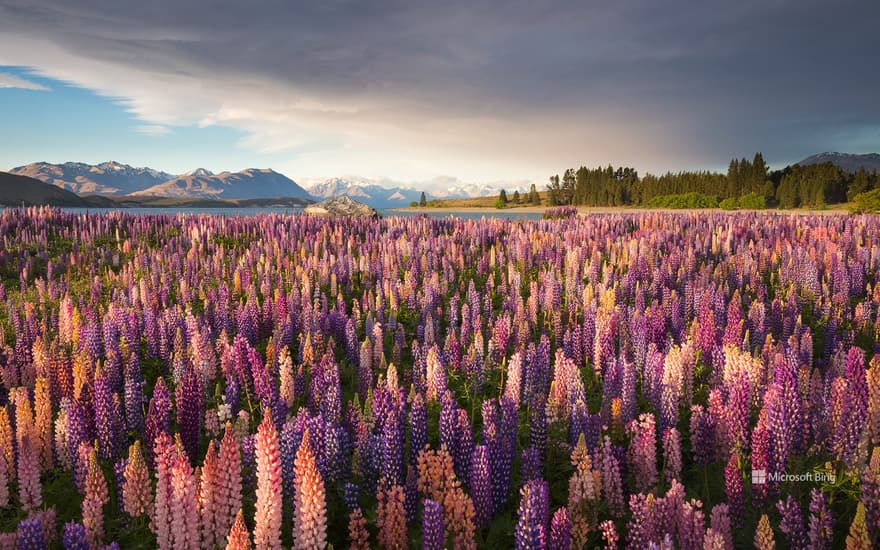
(16, 190)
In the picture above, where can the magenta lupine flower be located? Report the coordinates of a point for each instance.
(733, 488)
(560, 530)
(692, 526)
(719, 521)
(671, 455)
(792, 523)
(432, 525)
(821, 523)
(612, 482)
(640, 527)
(760, 458)
(609, 535)
(642, 451)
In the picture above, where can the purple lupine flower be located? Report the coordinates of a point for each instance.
(532, 465)
(481, 486)
(134, 395)
(448, 424)
(289, 444)
(702, 435)
(432, 525)
(418, 425)
(249, 464)
(108, 417)
(393, 449)
(158, 417)
(538, 427)
(560, 530)
(411, 494)
(792, 523)
(464, 448)
(75, 537)
(189, 399)
(531, 527)
(821, 523)
(30, 535)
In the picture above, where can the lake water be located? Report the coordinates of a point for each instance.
(489, 213)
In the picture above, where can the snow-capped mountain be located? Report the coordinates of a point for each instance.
(385, 193)
(107, 178)
(247, 184)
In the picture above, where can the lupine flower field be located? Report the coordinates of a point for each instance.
(652, 380)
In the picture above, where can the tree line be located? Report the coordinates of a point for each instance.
(751, 180)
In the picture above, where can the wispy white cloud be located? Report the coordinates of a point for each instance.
(153, 129)
(11, 81)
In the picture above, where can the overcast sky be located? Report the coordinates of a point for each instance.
(482, 91)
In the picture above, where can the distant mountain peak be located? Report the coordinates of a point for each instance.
(845, 161)
(199, 173)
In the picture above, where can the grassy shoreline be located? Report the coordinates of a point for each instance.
(585, 210)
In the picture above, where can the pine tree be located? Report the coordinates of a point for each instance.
(423, 201)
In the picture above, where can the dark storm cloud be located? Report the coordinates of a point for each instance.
(658, 85)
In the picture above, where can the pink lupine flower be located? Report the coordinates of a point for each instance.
(95, 499)
(29, 492)
(267, 531)
(310, 509)
(228, 499)
(184, 504)
(238, 538)
(137, 490)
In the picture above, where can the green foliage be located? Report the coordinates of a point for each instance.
(748, 182)
(684, 200)
(502, 197)
(423, 201)
(752, 201)
(534, 197)
(867, 202)
(729, 203)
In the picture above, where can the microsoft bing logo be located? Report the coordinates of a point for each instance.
(759, 477)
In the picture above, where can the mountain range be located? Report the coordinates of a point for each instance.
(118, 180)
(385, 193)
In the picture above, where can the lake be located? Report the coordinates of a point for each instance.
(488, 213)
